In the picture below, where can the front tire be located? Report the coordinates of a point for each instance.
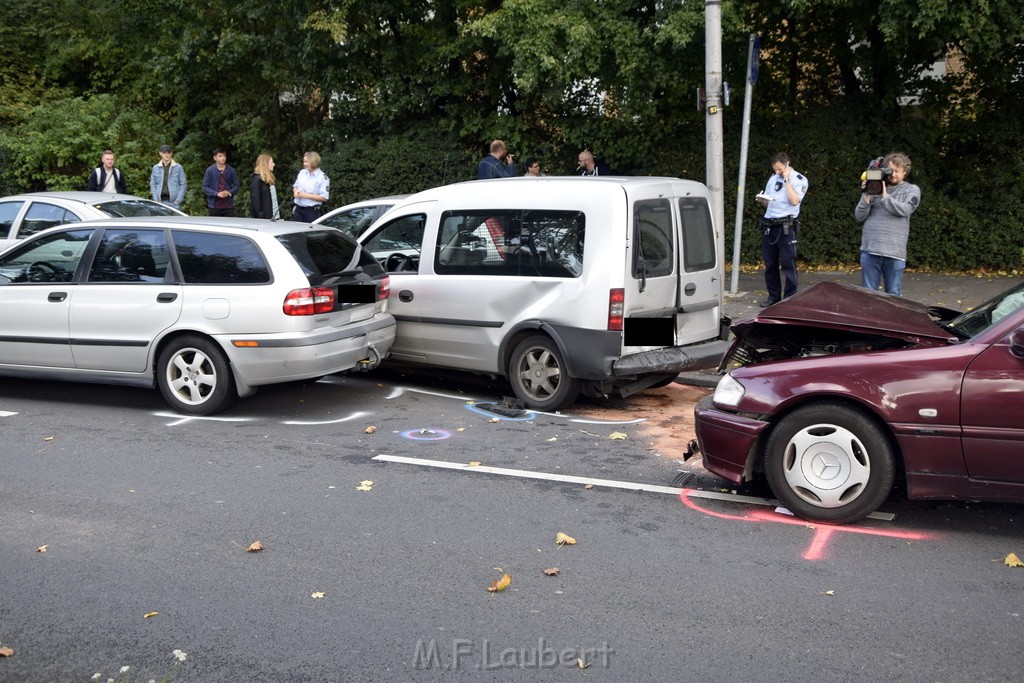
(829, 463)
(539, 376)
(194, 376)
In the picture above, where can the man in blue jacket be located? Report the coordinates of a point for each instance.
(491, 167)
(220, 185)
(167, 181)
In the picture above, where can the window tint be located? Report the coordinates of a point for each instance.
(127, 255)
(133, 208)
(653, 238)
(8, 212)
(210, 258)
(41, 216)
(698, 235)
(52, 258)
(534, 243)
(354, 221)
(328, 253)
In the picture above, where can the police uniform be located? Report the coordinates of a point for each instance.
(779, 229)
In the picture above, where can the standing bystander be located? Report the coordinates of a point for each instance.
(106, 178)
(311, 189)
(886, 219)
(781, 198)
(589, 166)
(491, 166)
(220, 185)
(167, 180)
(263, 190)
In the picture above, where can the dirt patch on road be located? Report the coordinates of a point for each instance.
(667, 415)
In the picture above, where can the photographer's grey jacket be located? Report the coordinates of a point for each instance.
(887, 220)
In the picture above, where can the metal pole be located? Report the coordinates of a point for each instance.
(713, 116)
(744, 143)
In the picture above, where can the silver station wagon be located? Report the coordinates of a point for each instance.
(206, 309)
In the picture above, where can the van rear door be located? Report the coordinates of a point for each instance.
(675, 296)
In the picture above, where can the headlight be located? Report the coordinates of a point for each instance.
(729, 392)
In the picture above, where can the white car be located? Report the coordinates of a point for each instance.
(355, 218)
(23, 215)
(205, 308)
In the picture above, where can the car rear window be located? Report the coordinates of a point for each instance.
(131, 208)
(323, 254)
(210, 258)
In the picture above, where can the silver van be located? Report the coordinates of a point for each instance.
(563, 285)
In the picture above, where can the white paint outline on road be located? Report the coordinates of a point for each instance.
(6, 413)
(608, 483)
(354, 416)
(182, 419)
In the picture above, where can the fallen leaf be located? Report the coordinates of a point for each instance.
(554, 438)
(6, 652)
(47, 438)
(494, 419)
(370, 430)
(617, 435)
(317, 595)
(832, 592)
(255, 547)
(149, 615)
(461, 429)
(42, 548)
(1011, 560)
(365, 485)
(501, 584)
(564, 539)
(580, 663)
(552, 571)
(475, 463)
(589, 486)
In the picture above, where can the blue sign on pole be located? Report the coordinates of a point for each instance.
(755, 58)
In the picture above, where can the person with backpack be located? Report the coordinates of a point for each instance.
(106, 178)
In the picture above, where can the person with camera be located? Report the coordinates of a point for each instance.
(781, 198)
(884, 208)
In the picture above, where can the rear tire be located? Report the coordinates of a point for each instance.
(829, 463)
(195, 377)
(539, 376)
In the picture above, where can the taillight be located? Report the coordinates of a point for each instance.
(616, 299)
(385, 289)
(309, 301)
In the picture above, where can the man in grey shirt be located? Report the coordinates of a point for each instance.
(886, 219)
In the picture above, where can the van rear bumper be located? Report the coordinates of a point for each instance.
(674, 359)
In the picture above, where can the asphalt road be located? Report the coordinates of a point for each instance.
(142, 511)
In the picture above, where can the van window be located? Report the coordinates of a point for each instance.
(531, 243)
(653, 238)
(210, 258)
(698, 236)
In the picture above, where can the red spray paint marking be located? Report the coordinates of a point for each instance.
(822, 533)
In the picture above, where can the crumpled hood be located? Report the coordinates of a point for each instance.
(840, 306)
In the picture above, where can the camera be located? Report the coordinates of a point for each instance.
(875, 176)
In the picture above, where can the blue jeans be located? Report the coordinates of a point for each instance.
(874, 268)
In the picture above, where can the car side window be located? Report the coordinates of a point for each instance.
(209, 258)
(397, 244)
(527, 243)
(41, 216)
(8, 212)
(50, 258)
(130, 255)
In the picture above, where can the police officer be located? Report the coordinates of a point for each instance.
(781, 197)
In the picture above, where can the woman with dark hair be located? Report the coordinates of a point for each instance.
(263, 190)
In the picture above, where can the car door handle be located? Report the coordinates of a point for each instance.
(405, 296)
(166, 297)
(57, 297)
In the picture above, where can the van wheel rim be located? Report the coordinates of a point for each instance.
(539, 373)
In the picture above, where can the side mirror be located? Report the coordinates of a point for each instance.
(1017, 342)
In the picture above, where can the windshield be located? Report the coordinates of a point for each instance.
(131, 208)
(989, 313)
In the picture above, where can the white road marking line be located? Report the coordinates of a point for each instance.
(609, 483)
(353, 416)
(6, 413)
(181, 419)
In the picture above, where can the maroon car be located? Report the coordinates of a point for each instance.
(834, 391)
